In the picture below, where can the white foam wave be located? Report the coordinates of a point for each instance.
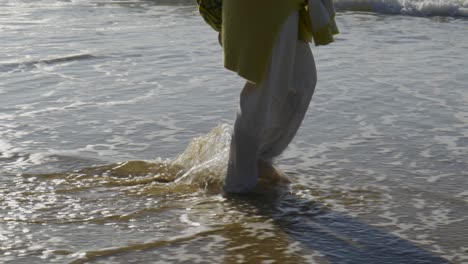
(452, 8)
(52, 109)
(6, 149)
(20, 161)
(134, 100)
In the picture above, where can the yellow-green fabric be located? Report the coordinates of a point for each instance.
(249, 30)
(248, 33)
(211, 11)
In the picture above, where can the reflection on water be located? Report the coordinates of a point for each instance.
(181, 203)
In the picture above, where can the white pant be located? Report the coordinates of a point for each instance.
(271, 111)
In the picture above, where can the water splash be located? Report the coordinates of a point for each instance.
(202, 165)
(205, 158)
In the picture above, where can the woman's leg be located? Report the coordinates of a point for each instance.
(259, 107)
(296, 104)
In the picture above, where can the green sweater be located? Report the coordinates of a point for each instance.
(249, 30)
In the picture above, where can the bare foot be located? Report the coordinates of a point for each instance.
(268, 172)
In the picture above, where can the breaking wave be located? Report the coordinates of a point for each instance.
(451, 8)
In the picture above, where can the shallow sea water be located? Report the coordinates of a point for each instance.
(115, 124)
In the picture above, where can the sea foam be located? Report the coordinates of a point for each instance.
(452, 8)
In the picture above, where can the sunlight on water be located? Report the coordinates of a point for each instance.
(114, 139)
(143, 195)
